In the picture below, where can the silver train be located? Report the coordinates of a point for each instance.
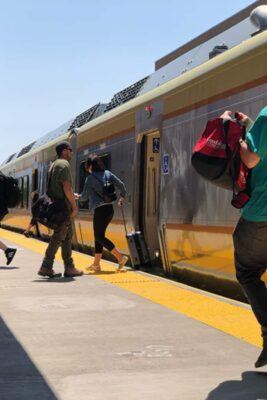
(148, 141)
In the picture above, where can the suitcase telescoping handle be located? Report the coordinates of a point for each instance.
(124, 223)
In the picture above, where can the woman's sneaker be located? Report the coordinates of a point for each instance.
(122, 264)
(94, 268)
(10, 254)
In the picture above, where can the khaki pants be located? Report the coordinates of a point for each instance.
(62, 236)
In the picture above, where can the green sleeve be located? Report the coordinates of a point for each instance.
(65, 175)
(256, 137)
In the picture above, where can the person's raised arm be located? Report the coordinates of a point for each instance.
(249, 158)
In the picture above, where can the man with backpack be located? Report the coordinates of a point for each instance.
(250, 235)
(60, 188)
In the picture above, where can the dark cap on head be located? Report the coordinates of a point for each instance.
(62, 146)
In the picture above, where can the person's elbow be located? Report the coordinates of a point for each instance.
(67, 187)
(250, 159)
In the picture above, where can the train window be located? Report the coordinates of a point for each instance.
(25, 192)
(20, 185)
(35, 180)
(82, 176)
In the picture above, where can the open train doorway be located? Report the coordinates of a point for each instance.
(151, 193)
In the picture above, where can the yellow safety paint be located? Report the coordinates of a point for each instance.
(228, 317)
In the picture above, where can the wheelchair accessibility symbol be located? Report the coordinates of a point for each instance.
(166, 164)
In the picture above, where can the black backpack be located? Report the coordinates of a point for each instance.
(109, 192)
(10, 193)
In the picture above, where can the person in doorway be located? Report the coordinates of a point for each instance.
(103, 209)
(250, 235)
(60, 187)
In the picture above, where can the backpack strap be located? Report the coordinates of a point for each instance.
(99, 180)
(49, 178)
(232, 169)
(104, 176)
(226, 124)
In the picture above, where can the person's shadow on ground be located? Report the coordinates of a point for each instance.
(6, 267)
(253, 386)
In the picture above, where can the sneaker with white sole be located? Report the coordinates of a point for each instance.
(94, 268)
(10, 254)
(121, 264)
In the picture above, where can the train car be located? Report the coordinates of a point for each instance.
(147, 141)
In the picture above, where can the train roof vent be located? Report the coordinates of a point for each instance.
(258, 17)
(10, 158)
(84, 117)
(50, 136)
(126, 94)
(218, 50)
(25, 149)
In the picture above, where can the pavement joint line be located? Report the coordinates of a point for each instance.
(232, 319)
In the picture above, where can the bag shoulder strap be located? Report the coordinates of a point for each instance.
(99, 180)
(49, 177)
(104, 176)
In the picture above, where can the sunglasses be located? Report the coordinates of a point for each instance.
(69, 149)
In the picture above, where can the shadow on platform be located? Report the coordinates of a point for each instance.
(59, 279)
(253, 386)
(19, 378)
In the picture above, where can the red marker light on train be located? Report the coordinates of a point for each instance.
(148, 111)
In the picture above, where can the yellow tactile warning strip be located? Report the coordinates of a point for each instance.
(228, 317)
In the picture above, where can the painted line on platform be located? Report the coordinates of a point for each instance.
(231, 318)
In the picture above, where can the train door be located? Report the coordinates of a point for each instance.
(151, 192)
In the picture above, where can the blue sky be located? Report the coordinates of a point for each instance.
(60, 57)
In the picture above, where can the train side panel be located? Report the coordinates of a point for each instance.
(196, 216)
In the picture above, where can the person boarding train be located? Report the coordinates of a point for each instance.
(93, 191)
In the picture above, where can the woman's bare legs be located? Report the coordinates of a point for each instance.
(3, 246)
(122, 260)
(96, 264)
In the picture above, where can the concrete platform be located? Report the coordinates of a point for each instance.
(91, 338)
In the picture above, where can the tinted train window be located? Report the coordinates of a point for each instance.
(25, 192)
(35, 180)
(82, 176)
(20, 185)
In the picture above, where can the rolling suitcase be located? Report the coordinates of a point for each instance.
(137, 248)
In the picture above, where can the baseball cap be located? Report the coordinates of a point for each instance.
(62, 146)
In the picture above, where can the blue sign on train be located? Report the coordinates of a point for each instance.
(166, 164)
